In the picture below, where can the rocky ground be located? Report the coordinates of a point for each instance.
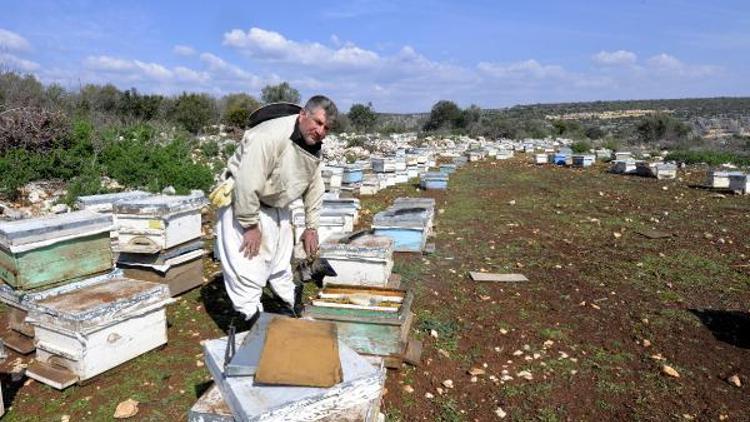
(612, 325)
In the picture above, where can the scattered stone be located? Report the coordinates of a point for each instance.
(408, 389)
(537, 356)
(448, 383)
(525, 375)
(169, 190)
(65, 418)
(433, 333)
(476, 371)
(500, 413)
(126, 409)
(503, 331)
(646, 343)
(547, 344)
(563, 355)
(439, 390)
(59, 209)
(474, 379)
(668, 370)
(708, 236)
(444, 353)
(506, 378)
(595, 306)
(199, 363)
(617, 235)
(429, 396)
(735, 380)
(517, 353)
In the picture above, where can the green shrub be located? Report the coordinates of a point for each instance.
(229, 149)
(713, 158)
(210, 149)
(581, 147)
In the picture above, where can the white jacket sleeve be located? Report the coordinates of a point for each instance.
(313, 200)
(256, 164)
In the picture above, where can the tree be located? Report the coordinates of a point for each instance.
(661, 128)
(194, 111)
(362, 117)
(238, 108)
(281, 93)
(444, 115)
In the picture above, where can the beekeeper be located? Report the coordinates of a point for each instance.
(277, 161)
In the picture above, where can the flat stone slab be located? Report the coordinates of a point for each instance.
(498, 278)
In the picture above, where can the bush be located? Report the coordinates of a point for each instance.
(229, 149)
(713, 158)
(210, 149)
(581, 147)
(194, 111)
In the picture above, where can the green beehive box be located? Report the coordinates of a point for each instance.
(371, 320)
(40, 252)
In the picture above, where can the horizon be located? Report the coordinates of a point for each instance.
(402, 58)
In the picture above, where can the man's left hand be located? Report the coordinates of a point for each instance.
(310, 240)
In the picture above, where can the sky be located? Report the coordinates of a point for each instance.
(401, 56)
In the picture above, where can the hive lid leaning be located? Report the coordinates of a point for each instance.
(51, 229)
(160, 205)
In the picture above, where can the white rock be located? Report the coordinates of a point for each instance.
(408, 389)
(525, 375)
(668, 370)
(517, 353)
(448, 383)
(735, 380)
(429, 396)
(500, 413)
(434, 333)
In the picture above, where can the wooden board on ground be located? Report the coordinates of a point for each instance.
(413, 354)
(394, 281)
(57, 377)
(494, 277)
(653, 234)
(19, 342)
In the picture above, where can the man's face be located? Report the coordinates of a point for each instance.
(313, 125)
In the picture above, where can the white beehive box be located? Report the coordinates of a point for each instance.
(350, 400)
(86, 328)
(156, 223)
(718, 179)
(361, 259)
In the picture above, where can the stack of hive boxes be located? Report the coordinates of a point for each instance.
(66, 302)
(160, 239)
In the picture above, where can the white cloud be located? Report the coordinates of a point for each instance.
(528, 69)
(218, 65)
(670, 65)
(11, 41)
(272, 46)
(11, 62)
(136, 70)
(183, 50)
(615, 58)
(189, 75)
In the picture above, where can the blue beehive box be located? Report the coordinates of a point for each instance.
(408, 227)
(560, 159)
(352, 174)
(447, 168)
(433, 180)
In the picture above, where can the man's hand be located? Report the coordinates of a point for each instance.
(310, 240)
(251, 242)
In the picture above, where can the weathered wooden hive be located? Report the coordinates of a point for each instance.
(448, 168)
(39, 252)
(433, 180)
(372, 321)
(739, 183)
(180, 268)
(370, 185)
(622, 155)
(583, 160)
(460, 161)
(88, 327)
(541, 159)
(623, 167)
(356, 398)
(383, 164)
(504, 154)
(332, 178)
(154, 224)
(402, 176)
(658, 170)
(360, 259)
(718, 179)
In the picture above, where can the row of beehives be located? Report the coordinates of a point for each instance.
(371, 314)
(66, 299)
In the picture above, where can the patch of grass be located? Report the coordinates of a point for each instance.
(448, 411)
(552, 333)
(447, 329)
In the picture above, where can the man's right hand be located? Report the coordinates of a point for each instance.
(251, 242)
